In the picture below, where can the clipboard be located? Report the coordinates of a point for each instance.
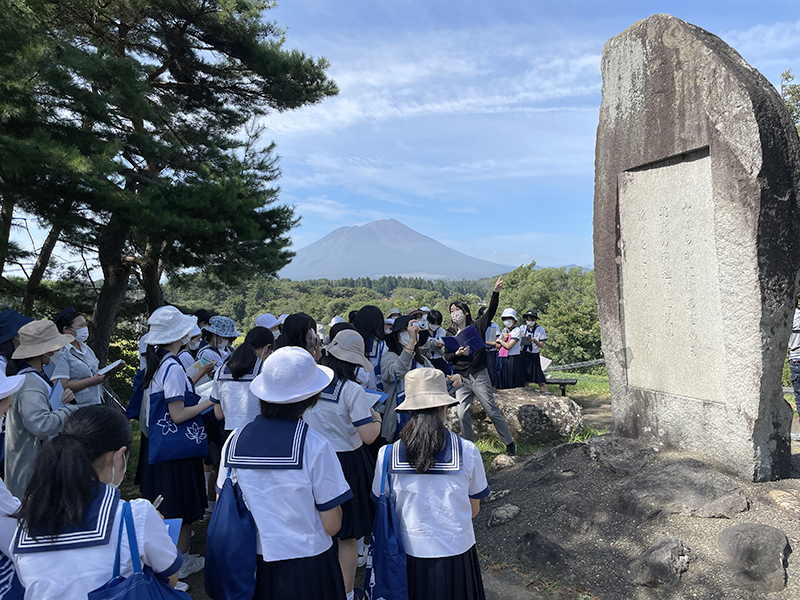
(55, 396)
(381, 397)
(173, 528)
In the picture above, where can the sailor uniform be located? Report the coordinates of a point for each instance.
(492, 333)
(511, 367)
(342, 408)
(187, 358)
(239, 405)
(80, 559)
(393, 372)
(210, 353)
(372, 380)
(533, 363)
(179, 481)
(76, 364)
(288, 473)
(435, 518)
(30, 421)
(10, 586)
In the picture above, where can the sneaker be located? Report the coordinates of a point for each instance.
(191, 565)
(182, 586)
(511, 449)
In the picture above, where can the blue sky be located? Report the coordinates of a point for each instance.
(473, 122)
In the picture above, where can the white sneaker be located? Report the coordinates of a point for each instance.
(191, 565)
(182, 586)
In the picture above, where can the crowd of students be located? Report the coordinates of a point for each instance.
(302, 421)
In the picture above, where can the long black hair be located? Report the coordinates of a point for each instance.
(291, 411)
(424, 437)
(342, 368)
(63, 474)
(295, 329)
(244, 357)
(369, 323)
(152, 357)
(465, 309)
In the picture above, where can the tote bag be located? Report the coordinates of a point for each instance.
(135, 403)
(170, 440)
(230, 571)
(143, 584)
(385, 578)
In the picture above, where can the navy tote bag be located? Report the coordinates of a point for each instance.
(385, 578)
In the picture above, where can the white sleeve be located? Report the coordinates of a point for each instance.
(216, 389)
(62, 370)
(359, 402)
(363, 378)
(515, 334)
(156, 548)
(174, 382)
(328, 485)
(376, 479)
(478, 486)
(187, 360)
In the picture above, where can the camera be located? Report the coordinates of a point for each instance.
(421, 325)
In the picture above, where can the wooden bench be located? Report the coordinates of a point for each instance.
(562, 383)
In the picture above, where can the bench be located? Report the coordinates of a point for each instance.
(562, 383)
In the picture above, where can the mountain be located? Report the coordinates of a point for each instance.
(385, 247)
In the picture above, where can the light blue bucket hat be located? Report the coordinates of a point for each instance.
(222, 326)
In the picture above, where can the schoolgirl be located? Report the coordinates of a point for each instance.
(291, 480)
(538, 337)
(402, 357)
(491, 337)
(438, 481)
(222, 331)
(270, 322)
(370, 324)
(188, 354)
(300, 330)
(233, 401)
(437, 332)
(345, 417)
(71, 514)
(173, 441)
(511, 367)
(31, 418)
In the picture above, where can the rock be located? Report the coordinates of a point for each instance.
(662, 564)
(531, 416)
(503, 461)
(495, 496)
(787, 501)
(687, 487)
(536, 551)
(579, 512)
(504, 514)
(619, 455)
(696, 217)
(757, 554)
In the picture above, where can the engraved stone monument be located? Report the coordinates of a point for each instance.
(697, 246)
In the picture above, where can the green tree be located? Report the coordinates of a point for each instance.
(790, 92)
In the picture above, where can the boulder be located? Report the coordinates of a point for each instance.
(758, 555)
(662, 564)
(504, 514)
(687, 487)
(531, 416)
(494, 496)
(621, 456)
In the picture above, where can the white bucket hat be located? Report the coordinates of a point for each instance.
(9, 385)
(425, 388)
(196, 331)
(266, 320)
(290, 375)
(40, 337)
(335, 320)
(348, 345)
(394, 311)
(168, 324)
(509, 313)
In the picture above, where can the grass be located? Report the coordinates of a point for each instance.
(588, 386)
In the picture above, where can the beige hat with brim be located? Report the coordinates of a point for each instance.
(40, 337)
(289, 375)
(425, 388)
(348, 345)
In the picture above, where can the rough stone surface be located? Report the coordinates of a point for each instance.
(687, 487)
(757, 554)
(504, 514)
(536, 551)
(494, 496)
(662, 564)
(503, 461)
(619, 455)
(787, 501)
(531, 416)
(696, 245)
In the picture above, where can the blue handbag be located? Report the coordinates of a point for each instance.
(170, 440)
(385, 578)
(135, 403)
(143, 584)
(10, 586)
(231, 560)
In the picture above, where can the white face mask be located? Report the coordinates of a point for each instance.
(531, 323)
(194, 344)
(116, 484)
(404, 337)
(185, 340)
(222, 344)
(276, 334)
(508, 322)
(458, 316)
(56, 357)
(82, 334)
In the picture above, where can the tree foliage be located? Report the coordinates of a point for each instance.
(790, 92)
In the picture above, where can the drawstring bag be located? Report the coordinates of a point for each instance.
(143, 584)
(385, 578)
(231, 560)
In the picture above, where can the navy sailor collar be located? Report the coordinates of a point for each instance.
(449, 460)
(26, 368)
(226, 375)
(98, 521)
(333, 392)
(268, 444)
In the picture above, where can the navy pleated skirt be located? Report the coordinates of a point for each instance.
(449, 578)
(511, 372)
(358, 513)
(312, 578)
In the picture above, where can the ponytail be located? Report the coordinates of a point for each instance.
(424, 436)
(152, 360)
(63, 474)
(244, 357)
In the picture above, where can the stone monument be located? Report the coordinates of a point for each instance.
(696, 245)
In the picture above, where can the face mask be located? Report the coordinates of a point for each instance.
(457, 316)
(194, 344)
(404, 337)
(53, 360)
(387, 331)
(82, 334)
(508, 322)
(222, 344)
(276, 334)
(117, 484)
(530, 323)
(185, 340)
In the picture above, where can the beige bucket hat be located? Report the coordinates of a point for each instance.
(40, 337)
(348, 345)
(425, 388)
